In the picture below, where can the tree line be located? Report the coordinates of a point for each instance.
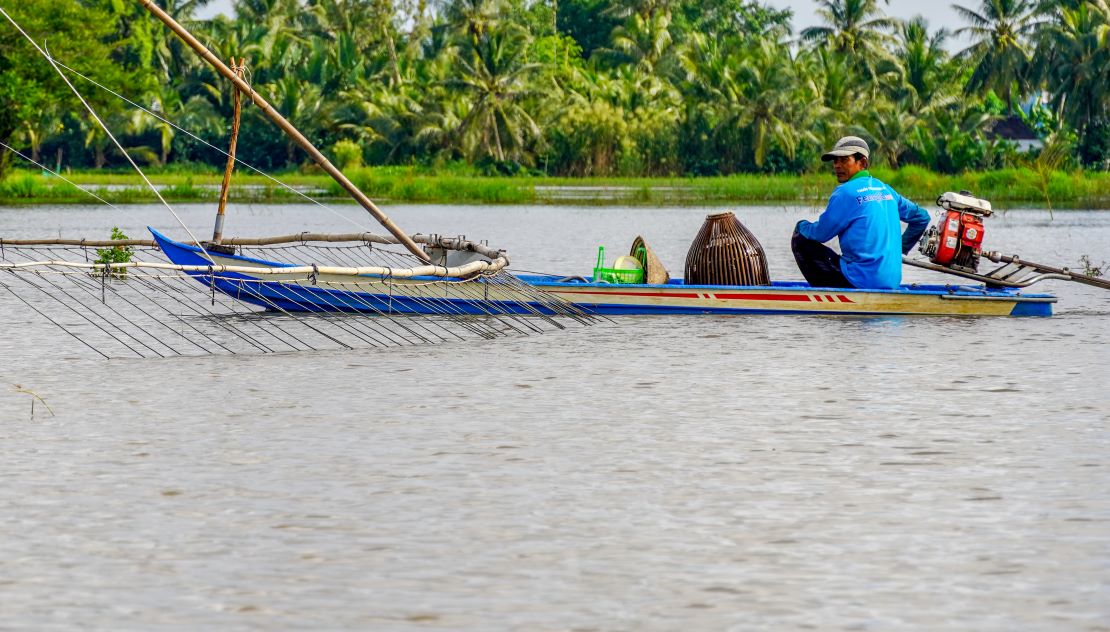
(565, 87)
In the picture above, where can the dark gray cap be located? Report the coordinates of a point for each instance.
(847, 146)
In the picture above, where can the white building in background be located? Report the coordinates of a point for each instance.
(1015, 130)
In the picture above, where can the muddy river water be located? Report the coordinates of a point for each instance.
(656, 473)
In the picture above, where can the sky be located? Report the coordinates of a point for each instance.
(937, 13)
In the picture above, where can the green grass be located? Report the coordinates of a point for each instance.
(25, 187)
(1008, 187)
(1005, 188)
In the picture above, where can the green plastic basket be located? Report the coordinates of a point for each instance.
(614, 275)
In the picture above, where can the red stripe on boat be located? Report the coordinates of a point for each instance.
(844, 299)
(663, 294)
(803, 298)
(817, 298)
(767, 297)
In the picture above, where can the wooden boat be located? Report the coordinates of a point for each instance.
(792, 297)
(286, 287)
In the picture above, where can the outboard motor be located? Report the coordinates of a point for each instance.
(956, 241)
(954, 246)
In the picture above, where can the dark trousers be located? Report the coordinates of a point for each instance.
(820, 265)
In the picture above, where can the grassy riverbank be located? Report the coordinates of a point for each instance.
(1006, 188)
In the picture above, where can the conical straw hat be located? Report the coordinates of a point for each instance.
(654, 272)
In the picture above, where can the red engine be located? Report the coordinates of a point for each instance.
(957, 239)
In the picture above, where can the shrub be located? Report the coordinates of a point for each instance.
(347, 154)
(24, 186)
(912, 178)
(115, 254)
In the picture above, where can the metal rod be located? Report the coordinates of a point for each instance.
(286, 127)
(1070, 275)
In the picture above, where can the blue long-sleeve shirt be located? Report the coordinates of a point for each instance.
(864, 213)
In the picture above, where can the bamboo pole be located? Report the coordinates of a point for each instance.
(464, 271)
(286, 127)
(88, 243)
(449, 243)
(225, 188)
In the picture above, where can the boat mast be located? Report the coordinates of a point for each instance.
(286, 127)
(218, 231)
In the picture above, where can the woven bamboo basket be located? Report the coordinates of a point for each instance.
(654, 272)
(725, 252)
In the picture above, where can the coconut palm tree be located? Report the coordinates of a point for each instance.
(376, 117)
(752, 91)
(171, 54)
(1079, 76)
(303, 104)
(890, 128)
(590, 132)
(838, 84)
(474, 18)
(366, 25)
(924, 62)
(1000, 32)
(917, 88)
(644, 8)
(851, 26)
(496, 78)
(272, 36)
(952, 139)
(641, 41)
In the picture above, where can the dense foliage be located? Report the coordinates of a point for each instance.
(578, 87)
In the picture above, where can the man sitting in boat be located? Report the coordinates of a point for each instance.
(864, 213)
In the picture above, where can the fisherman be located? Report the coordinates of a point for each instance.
(864, 213)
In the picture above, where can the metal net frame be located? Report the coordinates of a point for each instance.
(322, 296)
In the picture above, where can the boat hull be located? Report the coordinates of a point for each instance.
(343, 293)
(418, 295)
(793, 298)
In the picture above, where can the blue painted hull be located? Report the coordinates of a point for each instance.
(788, 297)
(296, 294)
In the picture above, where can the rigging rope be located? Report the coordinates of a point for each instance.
(225, 153)
(103, 126)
